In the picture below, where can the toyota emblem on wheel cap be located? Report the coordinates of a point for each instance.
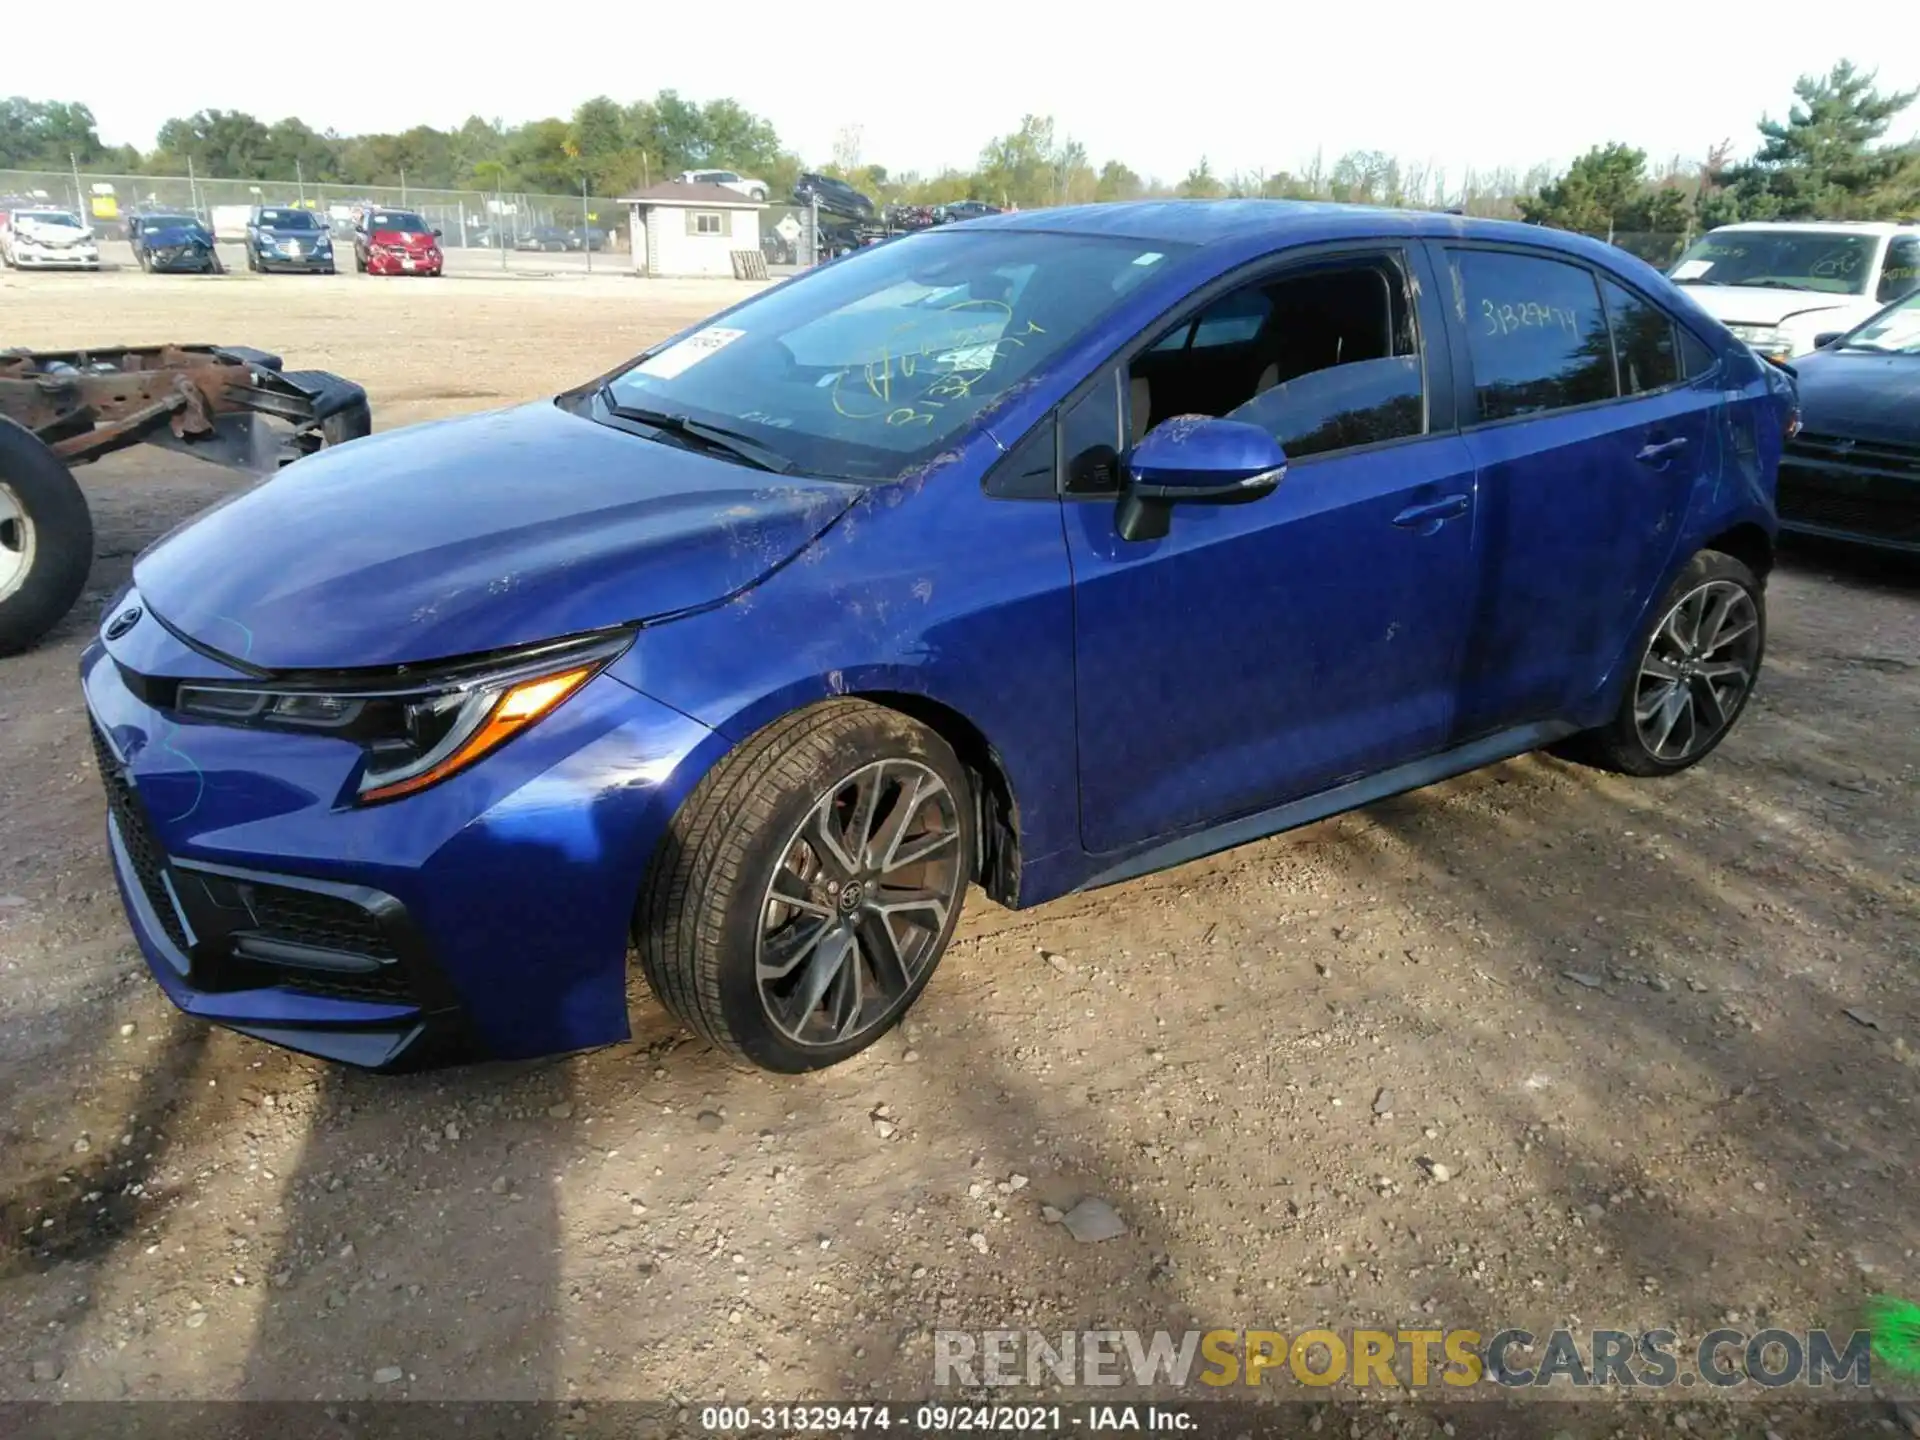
(123, 622)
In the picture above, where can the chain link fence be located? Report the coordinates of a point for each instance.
(467, 219)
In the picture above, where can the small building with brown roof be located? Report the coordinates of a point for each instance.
(691, 230)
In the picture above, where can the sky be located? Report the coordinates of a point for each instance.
(1158, 86)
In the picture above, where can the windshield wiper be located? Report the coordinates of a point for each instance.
(1767, 284)
(711, 437)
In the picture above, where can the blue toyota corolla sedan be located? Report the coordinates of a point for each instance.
(1034, 553)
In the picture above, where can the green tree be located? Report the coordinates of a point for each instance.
(1594, 195)
(227, 143)
(1825, 160)
(47, 134)
(1201, 183)
(1117, 182)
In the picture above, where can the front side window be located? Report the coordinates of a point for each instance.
(871, 366)
(1836, 263)
(1643, 341)
(1536, 333)
(1901, 274)
(1322, 356)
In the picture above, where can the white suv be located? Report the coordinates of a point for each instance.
(1779, 285)
(728, 179)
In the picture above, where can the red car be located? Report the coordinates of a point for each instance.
(396, 242)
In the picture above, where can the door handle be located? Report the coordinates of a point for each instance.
(1429, 517)
(1661, 452)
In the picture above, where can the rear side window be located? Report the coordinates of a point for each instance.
(1643, 341)
(1536, 333)
(1696, 357)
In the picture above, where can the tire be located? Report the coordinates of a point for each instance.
(214, 267)
(146, 262)
(1624, 744)
(253, 261)
(706, 902)
(46, 539)
(359, 262)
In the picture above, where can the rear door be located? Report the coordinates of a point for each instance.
(1588, 441)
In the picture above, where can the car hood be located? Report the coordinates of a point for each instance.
(499, 529)
(414, 239)
(1755, 305)
(1856, 395)
(175, 235)
(51, 233)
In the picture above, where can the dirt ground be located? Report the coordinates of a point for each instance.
(1659, 1038)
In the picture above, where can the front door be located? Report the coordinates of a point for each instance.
(1265, 651)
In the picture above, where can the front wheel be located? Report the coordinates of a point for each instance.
(806, 890)
(1693, 674)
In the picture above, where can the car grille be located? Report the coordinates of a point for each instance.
(326, 922)
(282, 913)
(1863, 488)
(1880, 456)
(149, 860)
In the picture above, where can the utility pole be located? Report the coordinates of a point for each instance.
(300, 179)
(79, 197)
(403, 187)
(586, 225)
(193, 189)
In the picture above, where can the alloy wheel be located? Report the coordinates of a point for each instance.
(1697, 671)
(16, 541)
(857, 907)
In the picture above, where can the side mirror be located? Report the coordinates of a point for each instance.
(1826, 338)
(1195, 460)
(436, 234)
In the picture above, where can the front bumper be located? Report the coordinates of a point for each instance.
(379, 263)
(295, 264)
(76, 258)
(487, 916)
(1862, 491)
(181, 261)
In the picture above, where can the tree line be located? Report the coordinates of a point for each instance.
(1828, 159)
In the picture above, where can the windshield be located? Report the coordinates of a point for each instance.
(397, 220)
(150, 223)
(1779, 259)
(49, 217)
(1894, 331)
(872, 366)
(289, 219)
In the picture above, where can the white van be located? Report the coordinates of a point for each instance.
(1780, 284)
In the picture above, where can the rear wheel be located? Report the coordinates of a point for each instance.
(1694, 673)
(46, 539)
(807, 889)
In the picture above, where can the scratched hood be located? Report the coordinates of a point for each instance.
(1856, 395)
(475, 534)
(1759, 305)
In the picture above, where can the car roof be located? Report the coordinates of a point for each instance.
(1837, 227)
(1204, 222)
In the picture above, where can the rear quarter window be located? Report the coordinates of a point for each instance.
(1645, 342)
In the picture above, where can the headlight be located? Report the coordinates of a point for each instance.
(419, 732)
(1767, 339)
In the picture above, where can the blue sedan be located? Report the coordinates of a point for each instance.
(1033, 554)
(1854, 472)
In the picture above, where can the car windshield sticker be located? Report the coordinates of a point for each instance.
(1692, 269)
(689, 352)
